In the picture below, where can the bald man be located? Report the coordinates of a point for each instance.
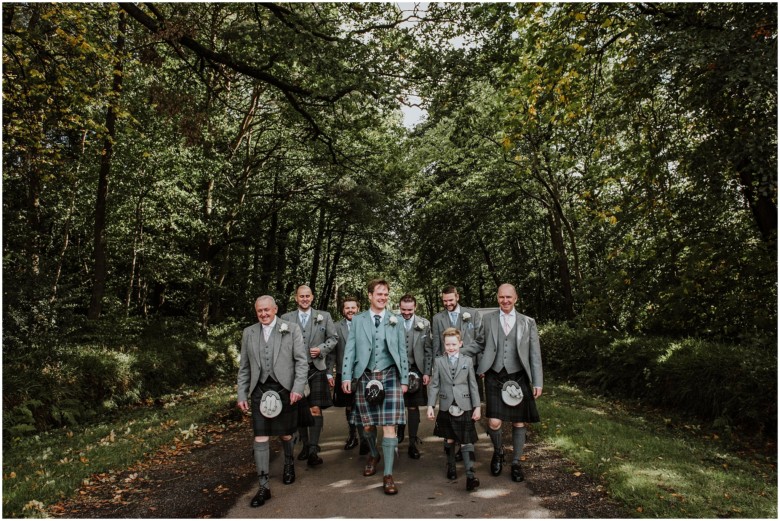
(510, 351)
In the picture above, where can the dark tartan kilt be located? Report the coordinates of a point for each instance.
(418, 398)
(305, 417)
(284, 424)
(340, 398)
(320, 390)
(495, 407)
(391, 411)
(459, 428)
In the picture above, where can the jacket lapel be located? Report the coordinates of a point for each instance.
(257, 332)
(275, 339)
(520, 326)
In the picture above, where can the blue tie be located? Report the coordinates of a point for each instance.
(453, 318)
(376, 320)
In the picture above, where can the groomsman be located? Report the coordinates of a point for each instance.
(462, 318)
(375, 357)
(349, 308)
(272, 370)
(319, 337)
(511, 364)
(419, 351)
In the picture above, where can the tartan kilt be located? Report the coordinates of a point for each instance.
(320, 390)
(459, 428)
(495, 407)
(418, 398)
(305, 417)
(341, 399)
(284, 424)
(391, 411)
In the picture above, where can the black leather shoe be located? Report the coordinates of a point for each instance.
(352, 442)
(472, 483)
(288, 476)
(314, 458)
(451, 474)
(497, 463)
(413, 452)
(517, 473)
(262, 495)
(364, 447)
(401, 433)
(304, 455)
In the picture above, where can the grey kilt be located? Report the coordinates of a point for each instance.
(495, 407)
(459, 428)
(391, 411)
(419, 398)
(320, 390)
(284, 424)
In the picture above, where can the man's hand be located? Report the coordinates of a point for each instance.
(244, 406)
(537, 392)
(477, 414)
(431, 415)
(346, 386)
(294, 397)
(426, 379)
(315, 352)
(404, 388)
(331, 380)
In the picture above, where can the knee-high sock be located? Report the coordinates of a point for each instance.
(518, 442)
(413, 419)
(370, 437)
(288, 451)
(262, 452)
(316, 430)
(468, 458)
(450, 452)
(495, 437)
(388, 448)
(303, 435)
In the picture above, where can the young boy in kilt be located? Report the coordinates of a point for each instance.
(454, 383)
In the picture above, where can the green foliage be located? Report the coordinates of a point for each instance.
(654, 467)
(711, 380)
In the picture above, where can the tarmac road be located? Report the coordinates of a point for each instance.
(338, 489)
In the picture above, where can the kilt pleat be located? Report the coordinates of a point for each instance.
(320, 390)
(459, 428)
(419, 397)
(284, 424)
(391, 411)
(495, 407)
(340, 398)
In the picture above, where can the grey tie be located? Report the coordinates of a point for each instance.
(304, 319)
(453, 360)
(376, 320)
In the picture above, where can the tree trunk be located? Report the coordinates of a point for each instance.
(137, 238)
(100, 239)
(559, 247)
(315, 262)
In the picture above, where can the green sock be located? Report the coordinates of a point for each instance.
(388, 447)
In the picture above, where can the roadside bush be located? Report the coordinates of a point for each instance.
(80, 377)
(726, 384)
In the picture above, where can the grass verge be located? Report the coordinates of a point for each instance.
(42, 469)
(656, 471)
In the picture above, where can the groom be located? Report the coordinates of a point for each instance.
(376, 351)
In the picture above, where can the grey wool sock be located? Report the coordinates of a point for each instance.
(495, 437)
(288, 451)
(388, 448)
(468, 458)
(262, 453)
(518, 442)
(451, 453)
(315, 430)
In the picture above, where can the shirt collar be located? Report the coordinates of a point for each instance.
(271, 325)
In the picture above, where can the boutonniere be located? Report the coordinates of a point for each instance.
(318, 319)
(466, 316)
(283, 329)
(419, 326)
(393, 320)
